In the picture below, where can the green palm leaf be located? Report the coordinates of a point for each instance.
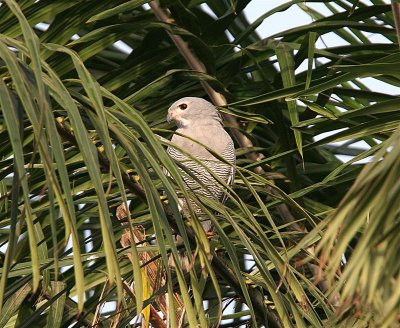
(304, 238)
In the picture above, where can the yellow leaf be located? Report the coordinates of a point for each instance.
(146, 294)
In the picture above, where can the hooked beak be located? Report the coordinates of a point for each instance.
(171, 116)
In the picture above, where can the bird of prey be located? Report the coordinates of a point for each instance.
(199, 123)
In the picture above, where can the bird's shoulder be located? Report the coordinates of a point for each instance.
(214, 137)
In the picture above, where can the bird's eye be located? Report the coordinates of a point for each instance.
(182, 106)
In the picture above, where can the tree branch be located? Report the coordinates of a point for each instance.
(219, 100)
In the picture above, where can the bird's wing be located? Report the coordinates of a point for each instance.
(215, 138)
(230, 156)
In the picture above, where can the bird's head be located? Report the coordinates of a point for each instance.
(193, 110)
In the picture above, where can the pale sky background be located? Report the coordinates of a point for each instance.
(295, 16)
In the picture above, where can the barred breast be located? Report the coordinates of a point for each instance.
(200, 176)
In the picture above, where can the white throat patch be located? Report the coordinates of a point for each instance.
(183, 122)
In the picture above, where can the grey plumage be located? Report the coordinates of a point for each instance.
(199, 120)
